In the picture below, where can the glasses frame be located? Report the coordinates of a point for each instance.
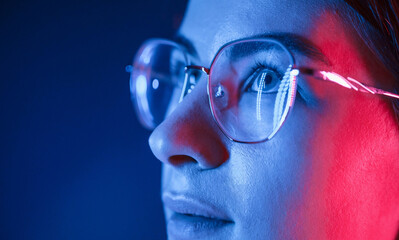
(328, 76)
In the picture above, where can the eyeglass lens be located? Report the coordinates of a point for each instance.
(157, 80)
(251, 88)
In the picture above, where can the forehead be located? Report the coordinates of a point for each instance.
(209, 24)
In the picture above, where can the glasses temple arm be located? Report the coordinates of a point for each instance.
(348, 82)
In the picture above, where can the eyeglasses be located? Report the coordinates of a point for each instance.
(252, 84)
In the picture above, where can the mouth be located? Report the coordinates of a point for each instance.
(192, 218)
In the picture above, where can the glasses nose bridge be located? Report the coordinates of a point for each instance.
(196, 68)
(190, 79)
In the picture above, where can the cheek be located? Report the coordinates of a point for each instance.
(272, 187)
(350, 186)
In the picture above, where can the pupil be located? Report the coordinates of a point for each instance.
(268, 79)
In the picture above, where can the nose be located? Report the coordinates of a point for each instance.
(190, 135)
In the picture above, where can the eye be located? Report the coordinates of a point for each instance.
(264, 80)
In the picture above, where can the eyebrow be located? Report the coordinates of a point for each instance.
(185, 42)
(293, 42)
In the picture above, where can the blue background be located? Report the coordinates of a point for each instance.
(74, 162)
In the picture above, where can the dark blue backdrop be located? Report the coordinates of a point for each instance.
(74, 162)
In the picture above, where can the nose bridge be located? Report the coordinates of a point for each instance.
(190, 134)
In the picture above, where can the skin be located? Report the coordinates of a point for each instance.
(331, 172)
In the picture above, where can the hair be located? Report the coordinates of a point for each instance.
(377, 23)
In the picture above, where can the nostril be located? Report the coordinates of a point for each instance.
(178, 160)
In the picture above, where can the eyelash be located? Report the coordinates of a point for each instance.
(260, 65)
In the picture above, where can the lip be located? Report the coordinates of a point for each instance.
(194, 218)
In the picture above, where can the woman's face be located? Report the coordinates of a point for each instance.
(331, 172)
